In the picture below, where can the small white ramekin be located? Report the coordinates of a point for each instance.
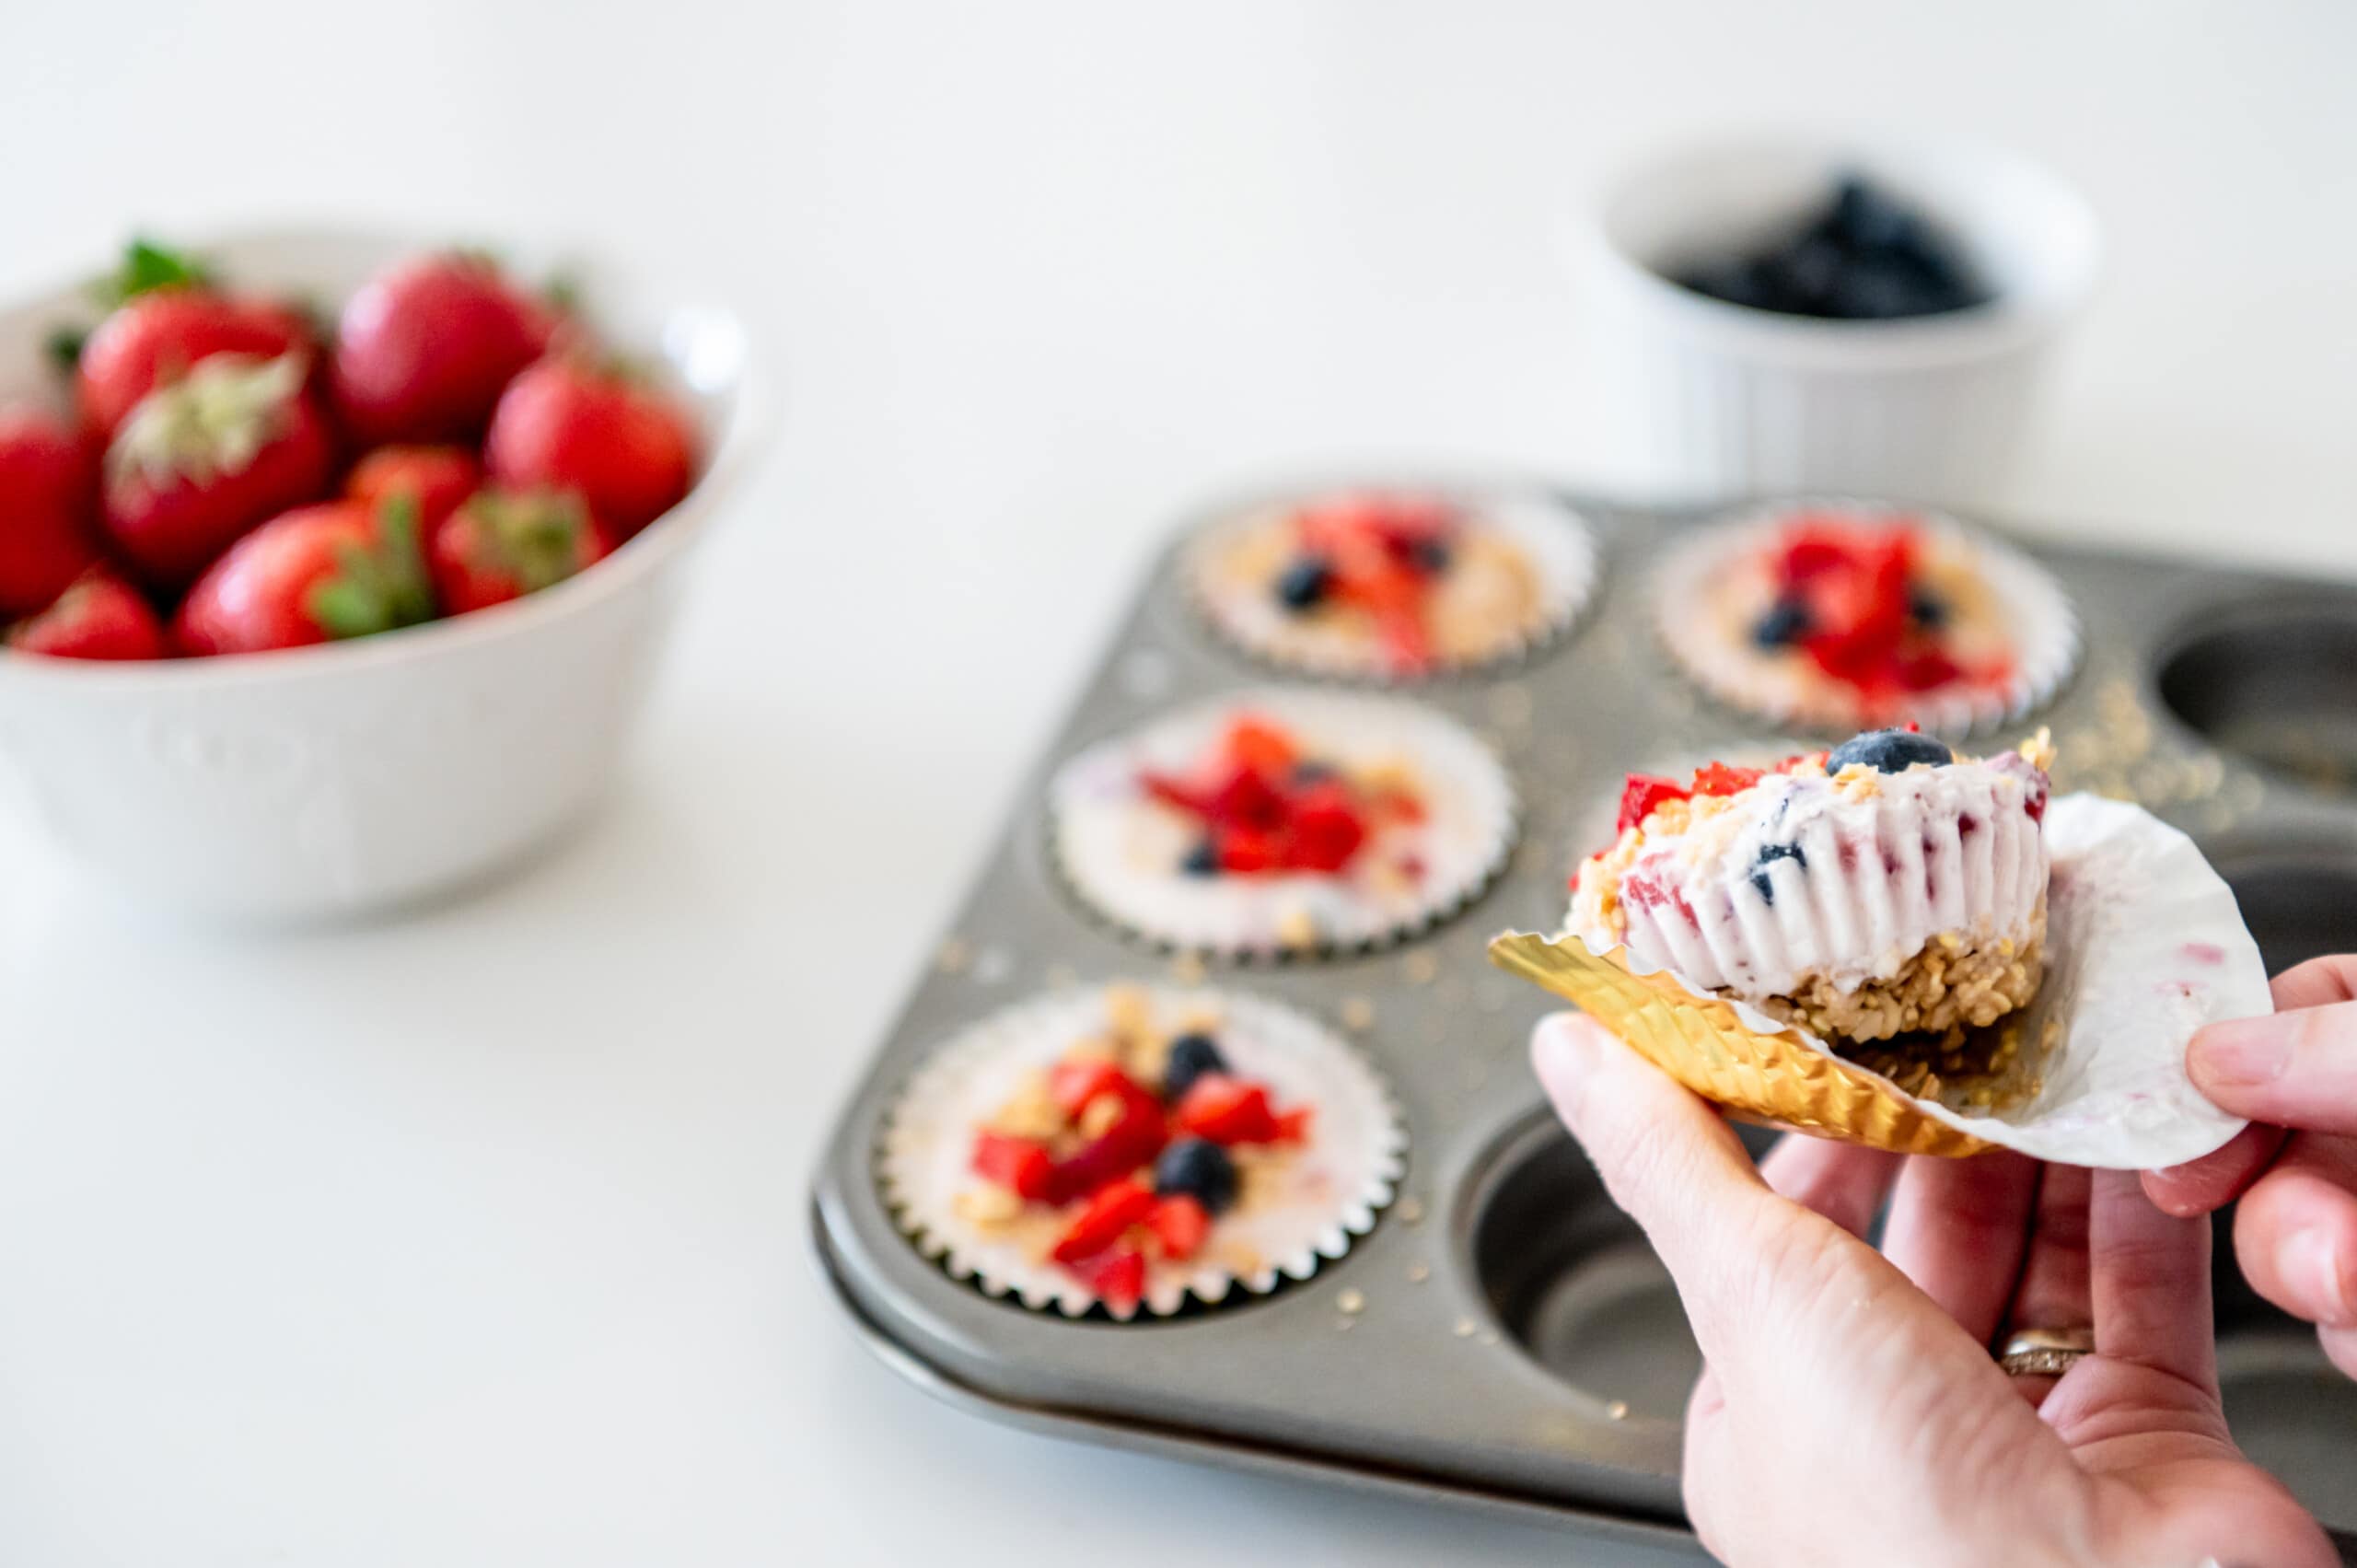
(1721, 400)
(335, 780)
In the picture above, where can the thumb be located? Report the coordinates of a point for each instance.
(1678, 1169)
(2295, 1069)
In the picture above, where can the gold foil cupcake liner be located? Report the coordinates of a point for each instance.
(1777, 1076)
(2145, 944)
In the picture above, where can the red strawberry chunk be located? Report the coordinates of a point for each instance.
(1718, 778)
(1104, 1220)
(1226, 1111)
(1072, 1084)
(1130, 1143)
(1118, 1277)
(1181, 1223)
(1022, 1166)
(1254, 745)
(1643, 792)
(1292, 1126)
(1327, 828)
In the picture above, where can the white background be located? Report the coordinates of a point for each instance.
(478, 1238)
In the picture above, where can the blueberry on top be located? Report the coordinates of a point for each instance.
(1199, 1169)
(1305, 583)
(1429, 555)
(1926, 608)
(1785, 623)
(1888, 751)
(1190, 1057)
(1203, 860)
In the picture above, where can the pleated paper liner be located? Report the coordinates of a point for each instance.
(1312, 1200)
(1119, 851)
(2145, 944)
(1717, 653)
(1230, 570)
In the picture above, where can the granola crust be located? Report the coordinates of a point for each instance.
(1954, 982)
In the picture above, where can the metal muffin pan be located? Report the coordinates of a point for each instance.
(1503, 1336)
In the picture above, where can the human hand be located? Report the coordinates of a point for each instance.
(2294, 1075)
(1849, 1410)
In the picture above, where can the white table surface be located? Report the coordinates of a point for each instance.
(479, 1239)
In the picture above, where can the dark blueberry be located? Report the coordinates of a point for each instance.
(1200, 1170)
(1865, 219)
(1812, 272)
(1888, 752)
(1769, 856)
(1926, 608)
(1190, 1057)
(1430, 555)
(1310, 770)
(1203, 860)
(1785, 623)
(1305, 583)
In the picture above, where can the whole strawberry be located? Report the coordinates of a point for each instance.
(567, 423)
(205, 457)
(170, 319)
(99, 616)
(314, 574)
(502, 544)
(49, 482)
(424, 349)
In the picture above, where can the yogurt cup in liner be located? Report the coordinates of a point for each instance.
(1526, 568)
(1120, 850)
(2145, 944)
(1702, 619)
(1305, 1205)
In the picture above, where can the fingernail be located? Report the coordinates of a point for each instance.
(2241, 1053)
(2310, 1265)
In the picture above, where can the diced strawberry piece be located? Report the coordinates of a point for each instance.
(1226, 1111)
(1118, 1278)
(1243, 850)
(1643, 792)
(1718, 778)
(1121, 1149)
(1073, 1084)
(1022, 1166)
(1254, 745)
(1292, 1126)
(1111, 1212)
(1326, 829)
(1176, 792)
(1249, 798)
(1181, 1224)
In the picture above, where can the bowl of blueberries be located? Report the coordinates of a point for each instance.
(1874, 314)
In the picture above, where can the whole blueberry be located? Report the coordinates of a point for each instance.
(1190, 1057)
(1888, 752)
(1785, 623)
(1430, 555)
(1200, 1169)
(1926, 608)
(1305, 583)
(1203, 860)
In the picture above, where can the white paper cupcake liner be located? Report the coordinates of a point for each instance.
(1554, 539)
(1333, 1188)
(2145, 945)
(1119, 850)
(2044, 629)
(1871, 883)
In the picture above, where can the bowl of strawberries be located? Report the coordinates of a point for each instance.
(335, 565)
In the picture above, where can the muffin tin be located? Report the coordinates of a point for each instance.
(1504, 1337)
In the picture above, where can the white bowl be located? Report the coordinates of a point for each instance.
(1725, 401)
(334, 779)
